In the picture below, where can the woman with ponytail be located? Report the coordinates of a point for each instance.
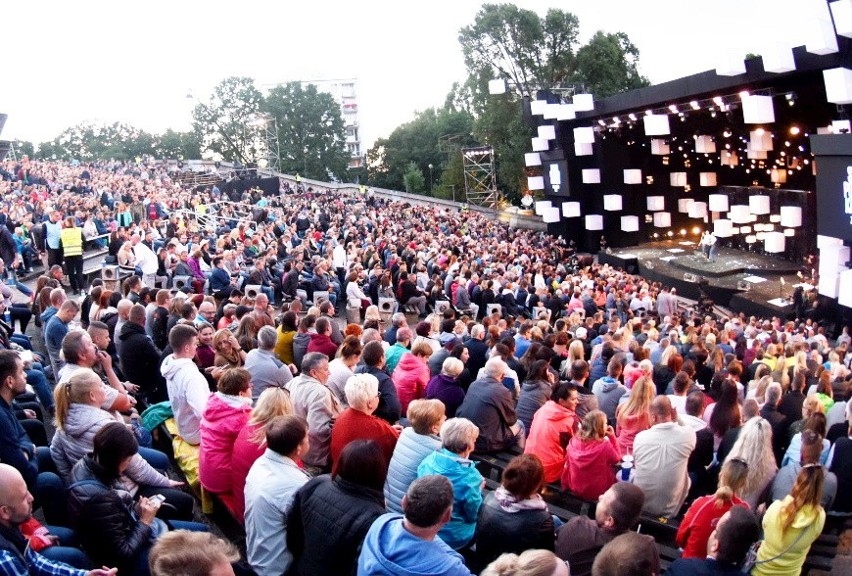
(702, 516)
(791, 525)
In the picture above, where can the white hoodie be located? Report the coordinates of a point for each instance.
(188, 394)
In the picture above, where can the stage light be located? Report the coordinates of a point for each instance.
(632, 117)
(718, 100)
(744, 94)
(727, 133)
(601, 122)
(648, 112)
(683, 231)
(669, 233)
(673, 108)
(794, 130)
(615, 120)
(695, 105)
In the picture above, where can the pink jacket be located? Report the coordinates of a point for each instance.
(590, 467)
(627, 429)
(543, 437)
(410, 378)
(244, 455)
(222, 421)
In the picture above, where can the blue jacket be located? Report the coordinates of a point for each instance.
(16, 449)
(467, 494)
(411, 449)
(390, 550)
(219, 279)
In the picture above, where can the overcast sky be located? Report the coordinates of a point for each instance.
(68, 62)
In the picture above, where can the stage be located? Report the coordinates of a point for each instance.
(739, 280)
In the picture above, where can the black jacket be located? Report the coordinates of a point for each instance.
(489, 405)
(327, 525)
(140, 359)
(499, 531)
(389, 408)
(101, 513)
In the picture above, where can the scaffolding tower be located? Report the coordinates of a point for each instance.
(480, 179)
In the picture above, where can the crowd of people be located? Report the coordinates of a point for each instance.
(330, 367)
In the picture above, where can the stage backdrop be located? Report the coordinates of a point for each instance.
(834, 184)
(235, 188)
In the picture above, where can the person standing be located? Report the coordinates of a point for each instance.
(71, 238)
(52, 237)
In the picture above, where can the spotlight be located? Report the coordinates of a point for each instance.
(791, 98)
(718, 100)
(673, 108)
(632, 117)
(794, 130)
(696, 230)
(695, 105)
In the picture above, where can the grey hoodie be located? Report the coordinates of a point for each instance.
(608, 391)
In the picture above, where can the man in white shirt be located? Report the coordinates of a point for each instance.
(146, 260)
(270, 485)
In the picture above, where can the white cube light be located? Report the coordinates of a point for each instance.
(775, 218)
(778, 59)
(841, 12)
(591, 176)
(723, 228)
(825, 241)
(739, 214)
(677, 179)
(532, 159)
(655, 203)
(758, 204)
(774, 242)
(758, 110)
(497, 86)
(791, 216)
(551, 215)
(698, 210)
(540, 144)
(684, 204)
(745, 230)
(756, 154)
(550, 111)
(659, 147)
(581, 149)
(584, 135)
(789, 232)
(571, 209)
(838, 85)
(629, 223)
(594, 222)
(707, 179)
(662, 219)
(656, 124)
(829, 283)
(547, 131)
(841, 127)
(565, 112)
(845, 289)
(730, 64)
(541, 206)
(832, 257)
(821, 38)
(728, 158)
(718, 202)
(612, 202)
(633, 176)
(705, 145)
(537, 107)
(535, 182)
(760, 140)
(583, 102)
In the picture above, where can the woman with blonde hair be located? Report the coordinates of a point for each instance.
(633, 416)
(126, 258)
(529, 563)
(791, 525)
(702, 516)
(754, 447)
(251, 441)
(575, 352)
(591, 457)
(228, 350)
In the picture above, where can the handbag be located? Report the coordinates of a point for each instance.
(751, 556)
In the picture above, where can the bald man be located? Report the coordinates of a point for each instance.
(16, 556)
(660, 457)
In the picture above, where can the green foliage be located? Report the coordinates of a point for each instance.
(91, 142)
(178, 145)
(24, 148)
(226, 122)
(609, 63)
(311, 133)
(413, 179)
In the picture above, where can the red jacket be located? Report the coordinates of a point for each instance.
(410, 378)
(222, 421)
(590, 467)
(699, 523)
(355, 425)
(322, 343)
(244, 455)
(543, 439)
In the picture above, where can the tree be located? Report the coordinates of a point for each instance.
(178, 145)
(311, 133)
(610, 63)
(89, 141)
(413, 179)
(23, 148)
(227, 121)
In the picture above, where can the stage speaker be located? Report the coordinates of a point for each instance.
(743, 285)
(690, 277)
(493, 309)
(181, 282)
(111, 285)
(109, 272)
(388, 305)
(441, 305)
(252, 290)
(320, 296)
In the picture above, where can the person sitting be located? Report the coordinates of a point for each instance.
(840, 463)
(321, 340)
(358, 423)
(331, 514)
(809, 453)
(226, 413)
(754, 446)
(661, 455)
(373, 357)
(399, 348)
(609, 389)
(270, 487)
(265, 368)
(633, 416)
(445, 386)
(458, 438)
(535, 391)
(727, 547)
(553, 425)
(409, 544)
(140, 359)
(187, 553)
(490, 406)
(341, 368)
(514, 517)
(627, 555)
(815, 423)
(415, 443)
(694, 531)
(581, 538)
(590, 458)
(112, 528)
(412, 375)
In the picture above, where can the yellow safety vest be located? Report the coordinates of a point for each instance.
(72, 241)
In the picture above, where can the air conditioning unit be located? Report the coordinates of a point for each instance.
(109, 272)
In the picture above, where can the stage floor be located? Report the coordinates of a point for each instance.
(741, 281)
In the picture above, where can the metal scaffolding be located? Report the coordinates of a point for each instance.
(480, 178)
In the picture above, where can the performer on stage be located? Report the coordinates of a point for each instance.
(708, 245)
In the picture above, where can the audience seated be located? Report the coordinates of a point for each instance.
(727, 546)
(553, 425)
(591, 458)
(358, 422)
(187, 553)
(446, 388)
(373, 357)
(412, 375)
(528, 563)
(489, 405)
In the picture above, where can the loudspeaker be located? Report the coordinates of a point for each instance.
(320, 296)
(388, 305)
(181, 282)
(743, 285)
(252, 290)
(441, 305)
(690, 277)
(109, 272)
(493, 309)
